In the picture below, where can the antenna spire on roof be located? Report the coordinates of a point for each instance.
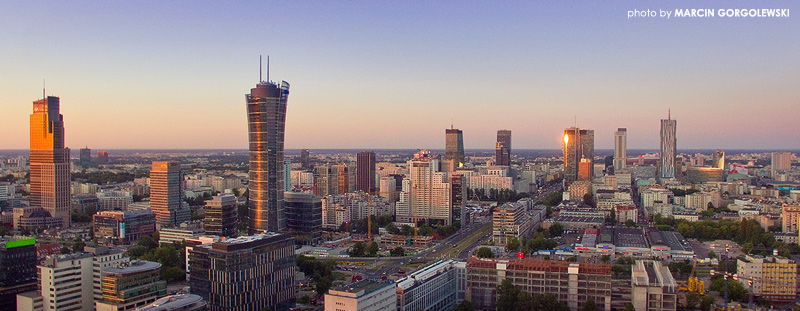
(267, 68)
(44, 93)
(260, 68)
(451, 121)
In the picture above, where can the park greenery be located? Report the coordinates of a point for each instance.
(510, 297)
(170, 256)
(747, 233)
(320, 271)
(484, 252)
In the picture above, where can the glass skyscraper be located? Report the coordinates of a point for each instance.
(668, 147)
(266, 117)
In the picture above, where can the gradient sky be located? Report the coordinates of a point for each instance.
(389, 74)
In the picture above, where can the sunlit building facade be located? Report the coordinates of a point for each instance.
(166, 194)
(266, 117)
(454, 146)
(620, 148)
(503, 148)
(49, 160)
(668, 147)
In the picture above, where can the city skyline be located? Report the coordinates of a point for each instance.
(612, 72)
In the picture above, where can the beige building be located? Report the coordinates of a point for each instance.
(366, 295)
(774, 277)
(510, 220)
(65, 284)
(652, 287)
(790, 215)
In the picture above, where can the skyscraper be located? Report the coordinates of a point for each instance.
(304, 158)
(365, 172)
(668, 147)
(780, 161)
(166, 194)
(221, 218)
(620, 148)
(86, 157)
(266, 116)
(578, 146)
(503, 148)
(718, 159)
(454, 146)
(50, 168)
(429, 193)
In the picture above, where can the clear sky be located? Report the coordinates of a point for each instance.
(389, 74)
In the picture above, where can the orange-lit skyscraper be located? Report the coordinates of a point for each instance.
(49, 175)
(166, 194)
(578, 146)
(503, 148)
(266, 117)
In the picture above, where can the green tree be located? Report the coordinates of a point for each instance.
(358, 249)
(630, 223)
(323, 285)
(137, 251)
(147, 241)
(525, 302)
(588, 199)
(372, 249)
(706, 303)
(513, 244)
(78, 246)
(556, 229)
(171, 274)
(465, 305)
(605, 258)
(397, 252)
(590, 305)
(484, 252)
(629, 307)
(692, 300)
(507, 295)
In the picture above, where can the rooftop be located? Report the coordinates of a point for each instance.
(174, 302)
(131, 267)
(360, 288)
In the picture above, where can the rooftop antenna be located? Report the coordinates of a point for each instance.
(669, 112)
(451, 121)
(267, 68)
(260, 69)
(44, 93)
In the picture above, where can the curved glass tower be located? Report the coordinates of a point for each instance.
(266, 117)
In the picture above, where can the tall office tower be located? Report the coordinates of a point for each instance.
(49, 174)
(86, 157)
(17, 270)
(454, 146)
(343, 176)
(325, 180)
(266, 116)
(458, 203)
(221, 218)
(503, 149)
(365, 178)
(248, 273)
(102, 157)
(620, 148)
(304, 160)
(718, 159)
(131, 284)
(781, 161)
(668, 147)
(428, 195)
(578, 147)
(166, 194)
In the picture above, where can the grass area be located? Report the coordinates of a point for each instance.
(461, 245)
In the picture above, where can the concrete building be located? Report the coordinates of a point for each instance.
(510, 220)
(124, 226)
(620, 149)
(668, 148)
(437, 287)
(427, 195)
(571, 283)
(454, 147)
(221, 216)
(774, 278)
(365, 172)
(114, 200)
(246, 273)
(130, 285)
(178, 235)
(790, 216)
(65, 284)
(364, 295)
(503, 148)
(652, 287)
(182, 302)
(780, 161)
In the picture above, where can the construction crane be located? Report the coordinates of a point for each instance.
(695, 284)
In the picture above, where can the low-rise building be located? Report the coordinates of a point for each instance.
(130, 285)
(653, 287)
(364, 295)
(440, 286)
(123, 226)
(510, 220)
(572, 283)
(774, 278)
